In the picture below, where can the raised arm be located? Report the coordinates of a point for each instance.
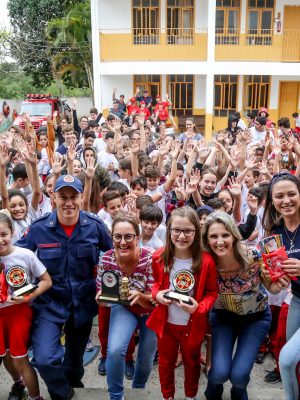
(141, 122)
(172, 177)
(4, 160)
(89, 174)
(33, 174)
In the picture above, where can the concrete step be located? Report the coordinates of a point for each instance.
(154, 394)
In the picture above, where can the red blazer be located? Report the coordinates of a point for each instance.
(206, 293)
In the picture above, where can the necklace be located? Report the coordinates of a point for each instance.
(291, 239)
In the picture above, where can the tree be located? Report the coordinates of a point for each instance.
(70, 46)
(28, 42)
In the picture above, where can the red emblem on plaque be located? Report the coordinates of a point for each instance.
(16, 276)
(183, 281)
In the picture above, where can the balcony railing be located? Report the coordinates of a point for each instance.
(180, 35)
(257, 45)
(153, 36)
(153, 44)
(191, 45)
(146, 36)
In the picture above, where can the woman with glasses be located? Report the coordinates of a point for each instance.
(128, 260)
(180, 268)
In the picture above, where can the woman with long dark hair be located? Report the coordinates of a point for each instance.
(282, 216)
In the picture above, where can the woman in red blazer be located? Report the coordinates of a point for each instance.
(181, 267)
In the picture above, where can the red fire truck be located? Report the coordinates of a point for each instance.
(38, 107)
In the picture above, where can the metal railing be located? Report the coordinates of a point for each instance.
(180, 35)
(227, 36)
(258, 45)
(146, 36)
(191, 44)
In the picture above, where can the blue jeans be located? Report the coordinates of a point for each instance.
(249, 331)
(290, 354)
(122, 325)
(60, 370)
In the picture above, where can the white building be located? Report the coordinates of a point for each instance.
(212, 57)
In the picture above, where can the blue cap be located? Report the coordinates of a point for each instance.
(68, 181)
(205, 208)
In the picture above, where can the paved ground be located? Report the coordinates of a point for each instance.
(96, 385)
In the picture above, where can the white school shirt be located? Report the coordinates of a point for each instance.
(162, 202)
(24, 258)
(177, 315)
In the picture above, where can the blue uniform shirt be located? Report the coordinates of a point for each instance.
(70, 263)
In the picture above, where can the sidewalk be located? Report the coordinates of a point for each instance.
(95, 385)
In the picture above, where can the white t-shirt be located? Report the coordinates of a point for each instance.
(242, 124)
(104, 159)
(45, 205)
(108, 222)
(22, 258)
(45, 161)
(176, 315)
(125, 182)
(161, 232)
(99, 145)
(257, 136)
(162, 202)
(20, 226)
(244, 205)
(154, 243)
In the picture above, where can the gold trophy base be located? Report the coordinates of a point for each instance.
(113, 300)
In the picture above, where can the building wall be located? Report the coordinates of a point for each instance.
(202, 59)
(115, 15)
(123, 84)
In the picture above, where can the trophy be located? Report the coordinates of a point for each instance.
(183, 282)
(16, 277)
(112, 290)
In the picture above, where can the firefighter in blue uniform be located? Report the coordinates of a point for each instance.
(68, 241)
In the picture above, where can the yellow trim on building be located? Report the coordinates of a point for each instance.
(219, 123)
(199, 111)
(120, 47)
(208, 126)
(244, 52)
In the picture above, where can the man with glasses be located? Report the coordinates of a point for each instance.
(68, 242)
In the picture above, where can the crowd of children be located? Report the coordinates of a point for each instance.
(199, 206)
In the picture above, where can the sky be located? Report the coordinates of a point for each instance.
(4, 22)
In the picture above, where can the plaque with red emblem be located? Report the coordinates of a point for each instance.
(183, 282)
(16, 277)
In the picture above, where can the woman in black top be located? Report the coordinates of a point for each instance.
(282, 216)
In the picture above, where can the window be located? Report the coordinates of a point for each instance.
(227, 22)
(257, 92)
(145, 21)
(226, 90)
(181, 90)
(148, 82)
(180, 21)
(260, 22)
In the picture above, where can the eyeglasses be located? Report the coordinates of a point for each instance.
(128, 237)
(186, 232)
